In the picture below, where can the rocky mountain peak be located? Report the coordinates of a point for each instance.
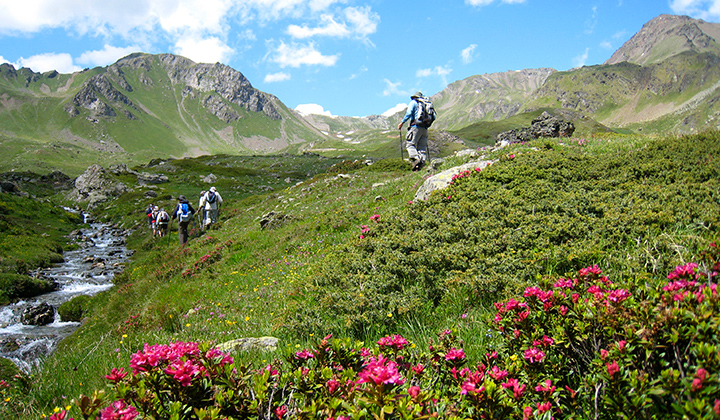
(666, 36)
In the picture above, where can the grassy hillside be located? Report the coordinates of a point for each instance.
(352, 254)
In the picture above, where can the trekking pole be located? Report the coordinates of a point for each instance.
(401, 144)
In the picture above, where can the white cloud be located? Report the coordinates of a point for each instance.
(606, 45)
(363, 21)
(330, 27)
(107, 55)
(276, 77)
(442, 72)
(307, 109)
(591, 22)
(393, 88)
(581, 59)
(467, 54)
(701, 9)
(41, 63)
(394, 110)
(208, 50)
(296, 55)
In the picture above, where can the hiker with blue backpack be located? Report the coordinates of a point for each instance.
(421, 114)
(184, 213)
(210, 204)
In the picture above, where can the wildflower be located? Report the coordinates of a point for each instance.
(60, 415)
(396, 342)
(612, 368)
(116, 375)
(700, 376)
(527, 413)
(304, 355)
(544, 407)
(546, 386)
(533, 355)
(686, 272)
(716, 407)
(570, 390)
(617, 296)
(418, 369)
(281, 411)
(470, 387)
(517, 388)
(183, 372)
(498, 374)
(119, 410)
(454, 354)
(375, 217)
(380, 371)
(414, 391)
(332, 385)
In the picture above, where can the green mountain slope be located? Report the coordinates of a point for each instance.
(142, 107)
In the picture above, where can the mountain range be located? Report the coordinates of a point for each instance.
(665, 78)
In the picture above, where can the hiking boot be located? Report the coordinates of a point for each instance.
(417, 165)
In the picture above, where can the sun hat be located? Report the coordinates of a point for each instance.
(212, 189)
(417, 94)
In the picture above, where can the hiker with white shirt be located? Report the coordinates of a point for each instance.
(210, 202)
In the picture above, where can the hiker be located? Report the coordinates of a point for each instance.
(161, 222)
(201, 208)
(153, 217)
(148, 213)
(210, 204)
(421, 117)
(184, 214)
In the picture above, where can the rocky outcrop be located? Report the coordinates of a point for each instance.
(249, 344)
(95, 185)
(545, 125)
(97, 95)
(445, 178)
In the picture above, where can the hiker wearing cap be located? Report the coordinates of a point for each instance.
(153, 219)
(184, 214)
(210, 204)
(420, 116)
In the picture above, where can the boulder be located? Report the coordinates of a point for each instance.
(545, 125)
(248, 344)
(272, 220)
(41, 314)
(95, 185)
(444, 178)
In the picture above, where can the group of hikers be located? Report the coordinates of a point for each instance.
(209, 206)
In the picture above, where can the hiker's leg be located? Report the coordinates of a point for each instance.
(411, 143)
(422, 143)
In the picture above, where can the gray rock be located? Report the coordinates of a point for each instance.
(444, 178)
(248, 344)
(545, 125)
(41, 314)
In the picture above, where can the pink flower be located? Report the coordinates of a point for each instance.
(570, 390)
(603, 354)
(454, 354)
(332, 385)
(612, 368)
(546, 386)
(621, 345)
(527, 413)
(380, 371)
(518, 389)
(534, 355)
(304, 355)
(544, 407)
(498, 374)
(470, 387)
(617, 296)
(116, 375)
(119, 410)
(686, 272)
(716, 407)
(396, 342)
(60, 415)
(183, 372)
(375, 217)
(281, 411)
(414, 391)
(588, 271)
(418, 369)
(700, 376)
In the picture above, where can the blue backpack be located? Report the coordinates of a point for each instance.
(184, 213)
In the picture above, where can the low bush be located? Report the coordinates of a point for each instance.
(75, 309)
(570, 348)
(15, 286)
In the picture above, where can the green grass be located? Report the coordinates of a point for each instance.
(636, 205)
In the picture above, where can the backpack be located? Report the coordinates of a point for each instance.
(184, 213)
(425, 114)
(211, 197)
(163, 216)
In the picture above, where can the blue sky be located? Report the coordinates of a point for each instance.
(339, 57)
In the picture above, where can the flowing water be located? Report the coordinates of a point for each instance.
(85, 271)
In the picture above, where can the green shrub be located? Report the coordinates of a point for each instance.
(75, 309)
(15, 286)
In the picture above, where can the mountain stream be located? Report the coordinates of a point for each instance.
(87, 270)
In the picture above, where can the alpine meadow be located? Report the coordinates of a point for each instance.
(556, 258)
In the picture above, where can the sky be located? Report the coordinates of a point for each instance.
(334, 57)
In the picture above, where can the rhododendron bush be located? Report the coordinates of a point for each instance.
(581, 347)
